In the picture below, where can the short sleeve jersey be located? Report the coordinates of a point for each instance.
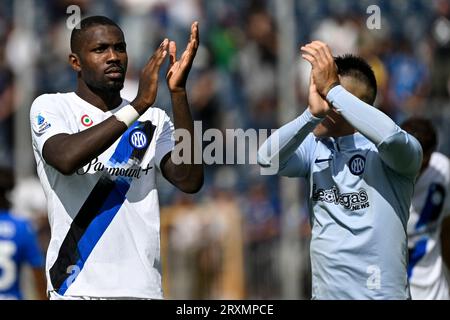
(104, 218)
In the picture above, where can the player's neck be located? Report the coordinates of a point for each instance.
(344, 134)
(104, 100)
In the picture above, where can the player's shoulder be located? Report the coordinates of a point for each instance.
(50, 97)
(48, 100)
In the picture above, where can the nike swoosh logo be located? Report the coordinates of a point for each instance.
(322, 160)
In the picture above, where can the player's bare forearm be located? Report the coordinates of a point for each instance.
(187, 177)
(69, 152)
(40, 283)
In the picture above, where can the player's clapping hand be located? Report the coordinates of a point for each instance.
(324, 70)
(178, 70)
(148, 81)
(318, 106)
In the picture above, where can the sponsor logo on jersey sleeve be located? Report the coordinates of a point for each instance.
(86, 120)
(40, 124)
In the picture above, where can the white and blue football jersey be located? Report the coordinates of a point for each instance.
(360, 189)
(430, 205)
(105, 217)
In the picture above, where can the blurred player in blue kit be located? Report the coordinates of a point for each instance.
(361, 169)
(429, 220)
(18, 246)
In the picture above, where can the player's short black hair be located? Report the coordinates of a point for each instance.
(86, 23)
(423, 130)
(357, 68)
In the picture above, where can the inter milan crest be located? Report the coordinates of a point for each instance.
(138, 139)
(357, 164)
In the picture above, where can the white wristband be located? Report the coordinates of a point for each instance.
(127, 115)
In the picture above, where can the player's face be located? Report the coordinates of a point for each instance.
(334, 125)
(103, 58)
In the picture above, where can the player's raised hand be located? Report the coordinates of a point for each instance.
(324, 70)
(148, 81)
(178, 70)
(318, 106)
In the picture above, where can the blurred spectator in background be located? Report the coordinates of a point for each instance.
(18, 246)
(408, 81)
(181, 237)
(429, 221)
(29, 201)
(225, 226)
(203, 247)
(261, 227)
(258, 59)
(440, 42)
(371, 46)
(205, 99)
(6, 106)
(339, 32)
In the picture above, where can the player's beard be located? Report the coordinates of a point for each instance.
(107, 86)
(114, 86)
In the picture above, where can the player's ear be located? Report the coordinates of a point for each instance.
(74, 61)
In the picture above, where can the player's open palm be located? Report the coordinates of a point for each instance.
(148, 81)
(324, 70)
(178, 70)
